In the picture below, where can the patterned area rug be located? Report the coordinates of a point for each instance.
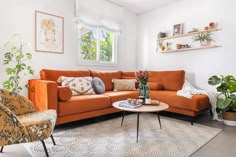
(107, 139)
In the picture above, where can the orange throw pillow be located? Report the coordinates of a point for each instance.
(155, 86)
(64, 93)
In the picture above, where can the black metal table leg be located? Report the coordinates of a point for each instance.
(122, 118)
(137, 125)
(159, 119)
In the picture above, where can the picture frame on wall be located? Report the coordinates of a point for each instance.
(49, 32)
(178, 29)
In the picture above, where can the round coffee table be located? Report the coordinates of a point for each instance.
(144, 108)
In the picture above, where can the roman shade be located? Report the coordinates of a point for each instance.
(99, 14)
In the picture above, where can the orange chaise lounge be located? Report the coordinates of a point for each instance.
(163, 84)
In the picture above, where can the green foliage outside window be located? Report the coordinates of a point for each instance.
(106, 47)
(89, 45)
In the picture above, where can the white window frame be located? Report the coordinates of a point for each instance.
(97, 62)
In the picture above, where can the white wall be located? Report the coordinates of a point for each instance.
(199, 64)
(18, 17)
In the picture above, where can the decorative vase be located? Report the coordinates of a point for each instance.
(144, 91)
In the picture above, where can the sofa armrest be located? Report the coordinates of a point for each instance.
(43, 94)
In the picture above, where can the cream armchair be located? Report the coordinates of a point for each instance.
(21, 123)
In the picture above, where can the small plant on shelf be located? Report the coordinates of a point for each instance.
(204, 38)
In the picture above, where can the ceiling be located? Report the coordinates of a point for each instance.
(141, 6)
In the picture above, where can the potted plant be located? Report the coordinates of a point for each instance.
(17, 57)
(226, 101)
(204, 38)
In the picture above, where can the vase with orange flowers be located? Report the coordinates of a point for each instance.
(142, 77)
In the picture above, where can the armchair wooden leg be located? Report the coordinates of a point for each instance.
(45, 148)
(53, 141)
(1, 149)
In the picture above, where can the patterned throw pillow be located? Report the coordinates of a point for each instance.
(78, 85)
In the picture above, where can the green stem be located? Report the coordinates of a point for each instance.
(17, 82)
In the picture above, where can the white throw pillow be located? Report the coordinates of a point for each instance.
(78, 85)
(124, 84)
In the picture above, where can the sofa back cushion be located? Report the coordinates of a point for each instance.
(170, 80)
(107, 77)
(155, 86)
(53, 75)
(128, 75)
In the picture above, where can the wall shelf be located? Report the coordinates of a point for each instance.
(189, 49)
(188, 34)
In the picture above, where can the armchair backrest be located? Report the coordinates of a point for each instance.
(18, 104)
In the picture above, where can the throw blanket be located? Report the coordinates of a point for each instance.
(188, 91)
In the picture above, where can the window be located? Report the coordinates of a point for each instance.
(97, 46)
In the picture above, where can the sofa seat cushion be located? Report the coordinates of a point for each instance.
(121, 95)
(83, 103)
(197, 103)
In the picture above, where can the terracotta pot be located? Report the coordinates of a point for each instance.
(212, 25)
(178, 46)
(229, 118)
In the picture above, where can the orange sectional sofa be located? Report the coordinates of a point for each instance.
(163, 84)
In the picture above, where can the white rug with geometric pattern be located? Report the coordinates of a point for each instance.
(107, 139)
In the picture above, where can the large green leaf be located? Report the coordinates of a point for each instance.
(231, 83)
(222, 88)
(10, 71)
(223, 103)
(214, 80)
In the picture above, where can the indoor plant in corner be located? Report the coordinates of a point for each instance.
(226, 101)
(17, 58)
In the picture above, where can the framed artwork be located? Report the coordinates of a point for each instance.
(178, 29)
(49, 32)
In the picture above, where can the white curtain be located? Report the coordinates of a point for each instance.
(99, 14)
